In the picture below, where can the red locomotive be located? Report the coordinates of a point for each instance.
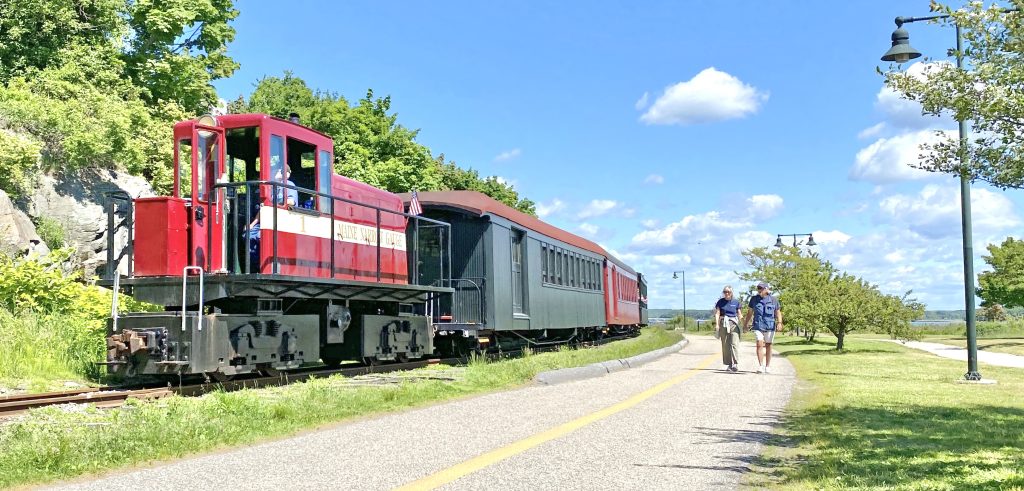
(265, 259)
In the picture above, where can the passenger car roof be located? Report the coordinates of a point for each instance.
(480, 204)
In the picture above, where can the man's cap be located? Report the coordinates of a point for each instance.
(764, 285)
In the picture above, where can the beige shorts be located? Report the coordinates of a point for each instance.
(764, 336)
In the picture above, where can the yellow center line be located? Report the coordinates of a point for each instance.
(494, 456)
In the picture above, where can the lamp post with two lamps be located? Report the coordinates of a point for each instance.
(810, 240)
(902, 52)
(675, 276)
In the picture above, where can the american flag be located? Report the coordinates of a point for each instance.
(414, 205)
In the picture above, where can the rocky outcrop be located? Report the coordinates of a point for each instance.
(17, 233)
(76, 201)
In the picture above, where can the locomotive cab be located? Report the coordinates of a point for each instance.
(217, 196)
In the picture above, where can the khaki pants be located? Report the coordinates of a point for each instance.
(729, 334)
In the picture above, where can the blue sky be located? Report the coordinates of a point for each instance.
(675, 134)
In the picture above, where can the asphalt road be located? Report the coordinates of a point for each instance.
(680, 422)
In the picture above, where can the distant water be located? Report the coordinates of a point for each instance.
(943, 322)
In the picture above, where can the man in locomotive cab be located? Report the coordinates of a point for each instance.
(285, 196)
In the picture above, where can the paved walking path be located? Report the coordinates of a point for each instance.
(956, 353)
(680, 422)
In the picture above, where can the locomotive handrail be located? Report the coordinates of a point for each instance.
(274, 185)
(184, 301)
(113, 301)
(113, 200)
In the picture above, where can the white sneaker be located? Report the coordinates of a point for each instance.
(767, 370)
(760, 369)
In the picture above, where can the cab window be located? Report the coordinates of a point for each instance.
(324, 173)
(184, 167)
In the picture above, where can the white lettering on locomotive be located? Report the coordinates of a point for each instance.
(301, 224)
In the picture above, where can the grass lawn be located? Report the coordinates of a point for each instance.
(882, 416)
(51, 443)
(1014, 346)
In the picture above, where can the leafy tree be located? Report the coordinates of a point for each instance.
(369, 143)
(100, 82)
(897, 313)
(177, 47)
(815, 295)
(994, 312)
(34, 33)
(796, 277)
(1005, 283)
(988, 92)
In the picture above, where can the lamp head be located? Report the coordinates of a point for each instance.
(901, 51)
(778, 241)
(810, 240)
(675, 276)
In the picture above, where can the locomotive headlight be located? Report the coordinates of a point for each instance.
(207, 120)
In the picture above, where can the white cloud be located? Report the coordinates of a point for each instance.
(654, 179)
(903, 113)
(888, 160)
(597, 208)
(895, 257)
(506, 181)
(835, 236)
(641, 102)
(935, 211)
(546, 209)
(589, 229)
(650, 223)
(872, 131)
(764, 206)
(508, 155)
(710, 96)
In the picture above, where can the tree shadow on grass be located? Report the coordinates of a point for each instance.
(977, 447)
(834, 352)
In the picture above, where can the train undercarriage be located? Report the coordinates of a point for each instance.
(295, 323)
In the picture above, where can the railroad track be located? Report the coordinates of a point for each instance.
(113, 397)
(18, 404)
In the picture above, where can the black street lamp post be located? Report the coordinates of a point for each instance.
(810, 240)
(901, 52)
(675, 276)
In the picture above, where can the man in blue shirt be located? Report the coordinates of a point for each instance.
(727, 325)
(285, 196)
(767, 318)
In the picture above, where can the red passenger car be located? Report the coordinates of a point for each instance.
(622, 293)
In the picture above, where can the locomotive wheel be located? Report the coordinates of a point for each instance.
(221, 377)
(330, 356)
(371, 361)
(402, 357)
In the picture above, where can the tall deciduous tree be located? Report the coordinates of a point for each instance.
(988, 92)
(369, 143)
(1005, 283)
(100, 82)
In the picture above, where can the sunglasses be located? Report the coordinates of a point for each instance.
(726, 293)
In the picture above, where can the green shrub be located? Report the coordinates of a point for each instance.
(51, 324)
(34, 346)
(51, 231)
(19, 162)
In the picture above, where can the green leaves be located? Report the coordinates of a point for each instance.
(369, 144)
(1005, 283)
(988, 92)
(100, 82)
